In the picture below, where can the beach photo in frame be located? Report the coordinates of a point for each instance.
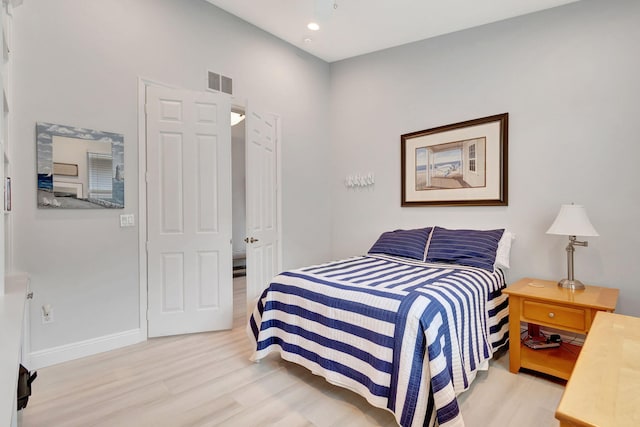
(458, 164)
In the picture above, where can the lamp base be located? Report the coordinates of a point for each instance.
(575, 285)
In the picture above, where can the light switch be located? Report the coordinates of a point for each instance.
(127, 220)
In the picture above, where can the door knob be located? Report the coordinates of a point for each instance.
(250, 240)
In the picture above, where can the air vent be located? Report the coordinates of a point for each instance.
(227, 85)
(220, 83)
(214, 81)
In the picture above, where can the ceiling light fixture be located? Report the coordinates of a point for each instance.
(313, 26)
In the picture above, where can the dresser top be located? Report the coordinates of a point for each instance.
(604, 388)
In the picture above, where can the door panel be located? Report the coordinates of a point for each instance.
(170, 152)
(189, 266)
(262, 203)
(207, 184)
(172, 282)
(208, 263)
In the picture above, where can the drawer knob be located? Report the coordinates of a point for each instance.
(552, 314)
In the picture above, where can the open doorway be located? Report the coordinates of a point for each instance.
(255, 215)
(238, 191)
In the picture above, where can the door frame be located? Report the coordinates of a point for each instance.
(142, 192)
(142, 200)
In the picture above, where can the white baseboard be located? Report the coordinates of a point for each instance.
(64, 353)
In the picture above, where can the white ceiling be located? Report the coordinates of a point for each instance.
(354, 27)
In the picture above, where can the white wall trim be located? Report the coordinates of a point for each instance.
(279, 187)
(142, 203)
(64, 353)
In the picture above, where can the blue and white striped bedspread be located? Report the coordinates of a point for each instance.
(405, 335)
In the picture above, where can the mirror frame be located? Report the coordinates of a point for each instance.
(45, 132)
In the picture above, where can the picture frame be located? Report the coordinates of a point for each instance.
(460, 164)
(79, 168)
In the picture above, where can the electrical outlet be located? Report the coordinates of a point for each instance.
(47, 314)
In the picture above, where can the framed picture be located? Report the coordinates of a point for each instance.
(79, 168)
(459, 164)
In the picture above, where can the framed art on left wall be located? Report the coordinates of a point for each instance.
(79, 168)
(458, 164)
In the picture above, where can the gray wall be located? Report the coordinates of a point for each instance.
(568, 77)
(77, 63)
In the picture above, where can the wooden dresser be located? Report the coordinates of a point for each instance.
(604, 388)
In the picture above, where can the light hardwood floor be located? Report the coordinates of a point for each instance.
(208, 380)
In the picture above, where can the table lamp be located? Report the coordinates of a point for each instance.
(572, 221)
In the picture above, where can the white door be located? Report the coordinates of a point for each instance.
(189, 261)
(263, 250)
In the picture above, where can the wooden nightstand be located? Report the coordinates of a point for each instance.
(543, 303)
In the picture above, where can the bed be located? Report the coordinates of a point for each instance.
(407, 326)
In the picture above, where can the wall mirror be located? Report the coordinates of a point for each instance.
(79, 168)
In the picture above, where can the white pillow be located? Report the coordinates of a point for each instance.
(504, 249)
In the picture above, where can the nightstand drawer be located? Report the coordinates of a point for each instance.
(555, 315)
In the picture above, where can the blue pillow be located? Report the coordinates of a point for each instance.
(404, 243)
(474, 248)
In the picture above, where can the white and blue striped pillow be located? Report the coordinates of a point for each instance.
(473, 248)
(404, 243)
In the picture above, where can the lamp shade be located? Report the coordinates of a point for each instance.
(572, 220)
